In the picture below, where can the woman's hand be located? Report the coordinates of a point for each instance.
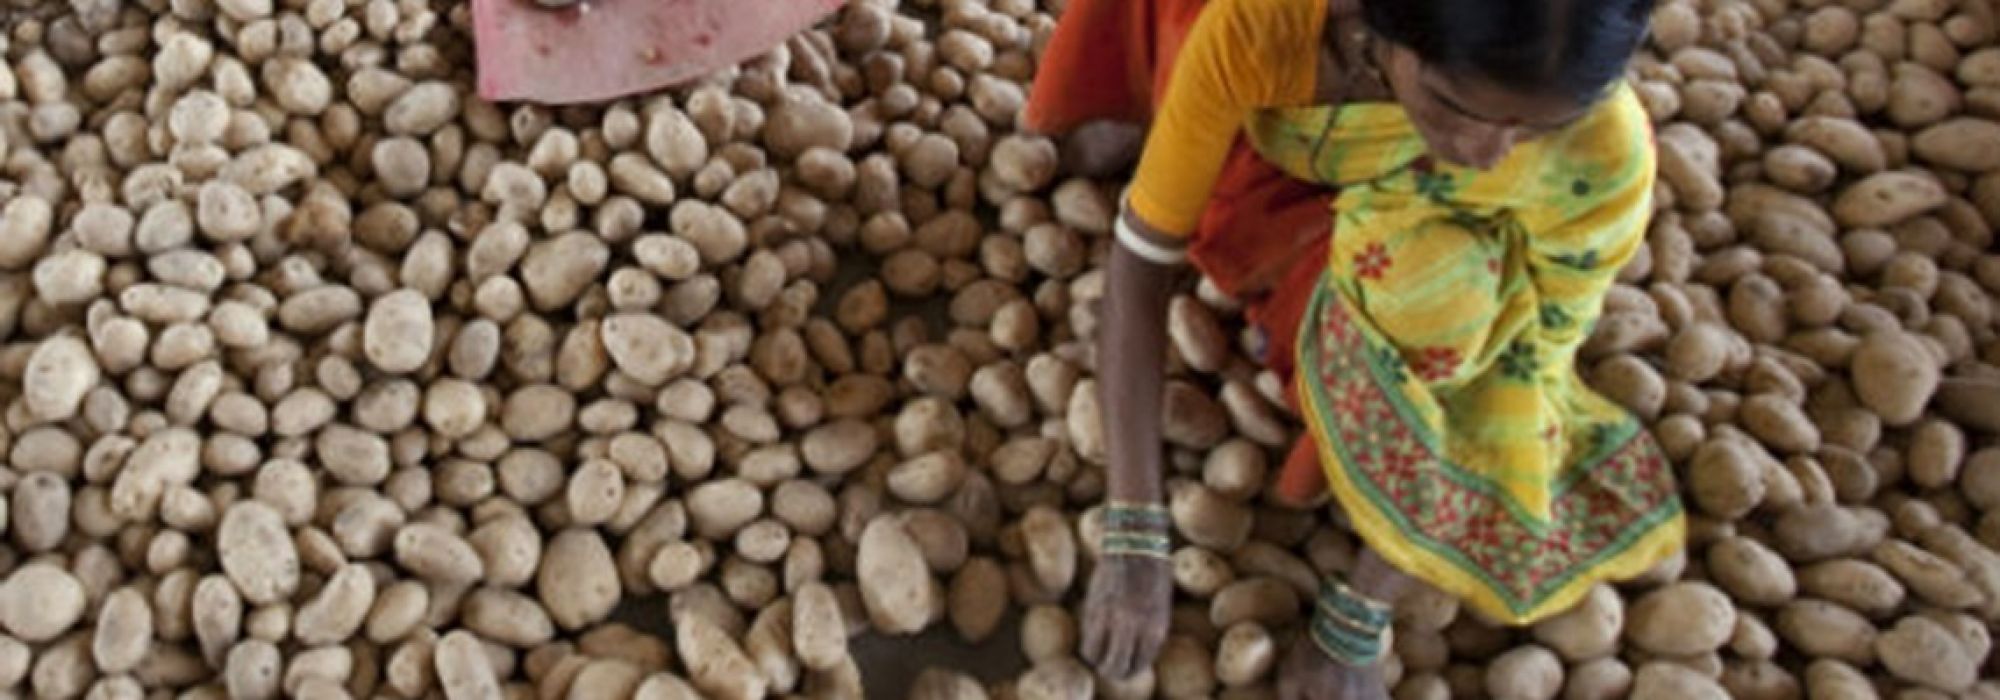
(1126, 613)
(1309, 674)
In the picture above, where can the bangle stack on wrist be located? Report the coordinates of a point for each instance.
(1136, 530)
(1351, 628)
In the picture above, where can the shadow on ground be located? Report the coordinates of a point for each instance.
(888, 664)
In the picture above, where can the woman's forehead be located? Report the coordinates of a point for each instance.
(1484, 100)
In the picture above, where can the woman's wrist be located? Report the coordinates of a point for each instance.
(1138, 529)
(1348, 627)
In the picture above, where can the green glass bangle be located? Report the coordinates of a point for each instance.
(1344, 604)
(1136, 544)
(1349, 627)
(1125, 515)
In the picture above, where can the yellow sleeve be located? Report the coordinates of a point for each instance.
(1239, 56)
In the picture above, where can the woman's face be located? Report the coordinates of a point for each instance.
(1471, 121)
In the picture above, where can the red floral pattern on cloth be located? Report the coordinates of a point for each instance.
(1436, 363)
(1605, 506)
(1373, 262)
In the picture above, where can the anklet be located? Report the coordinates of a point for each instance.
(1349, 627)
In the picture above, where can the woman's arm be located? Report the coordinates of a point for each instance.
(1130, 601)
(1131, 368)
(1240, 55)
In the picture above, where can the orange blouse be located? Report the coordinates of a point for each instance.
(1240, 56)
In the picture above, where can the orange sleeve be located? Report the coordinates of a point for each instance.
(1241, 55)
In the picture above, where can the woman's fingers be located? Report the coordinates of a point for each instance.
(1118, 650)
(1094, 632)
(1147, 649)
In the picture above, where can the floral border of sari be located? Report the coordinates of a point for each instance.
(1451, 527)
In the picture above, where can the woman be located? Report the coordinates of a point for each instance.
(1486, 175)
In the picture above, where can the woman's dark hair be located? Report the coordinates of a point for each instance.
(1574, 48)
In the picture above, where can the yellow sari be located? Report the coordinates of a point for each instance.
(1436, 360)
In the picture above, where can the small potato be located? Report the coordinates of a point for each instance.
(578, 582)
(1682, 619)
(1603, 679)
(1051, 547)
(1048, 633)
(42, 602)
(1264, 600)
(929, 478)
(1751, 572)
(1661, 680)
(978, 599)
(1245, 654)
(1894, 375)
(1887, 198)
(1726, 477)
(1526, 673)
(1922, 651)
(896, 584)
(1588, 631)
(719, 667)
(1823, 629)
(1207, 519)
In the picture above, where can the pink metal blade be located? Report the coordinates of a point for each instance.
(604, 49)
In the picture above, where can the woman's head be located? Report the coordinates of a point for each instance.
(1478, 76)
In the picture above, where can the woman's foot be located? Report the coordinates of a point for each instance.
(1309, 674)
(1102, 149)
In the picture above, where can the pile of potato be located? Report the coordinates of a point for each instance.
(325, 379)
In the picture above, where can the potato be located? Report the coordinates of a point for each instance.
(1659, 680)
(1184, 669)
(258, 553)
(1682, 619)
(1207, 519)
(1244, 655)
(1632, 383)
(1267, 601)
(1699, 352)
(1922, 651)
(895, 583)
(719, 667)
(1598, 680)
(1799, 168)
(1823, 629)
(1060, 679)
(939, 684)
(1819, 531)
(1528, 672)
(1727, 477)
(1960, 144)
(1588, 631)
(1779, 422)
(1846, 141)
(43, 601)
(1887, 198)
(1751, 572)
(978, 599)
(1690, 161)
(1894, 376)
(1051, 548)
